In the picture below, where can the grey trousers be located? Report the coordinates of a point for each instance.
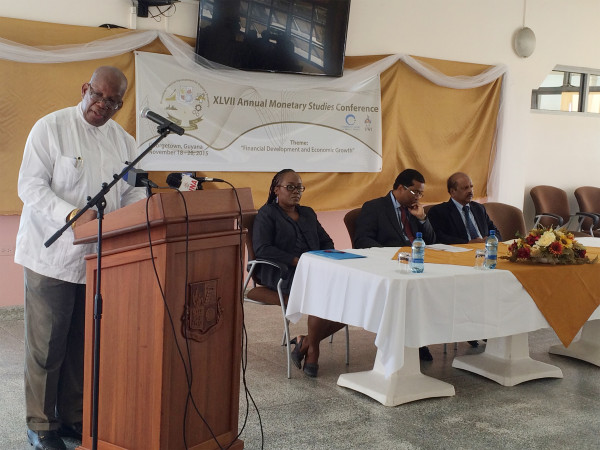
(54, 338)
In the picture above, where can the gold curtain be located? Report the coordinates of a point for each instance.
(433, 129)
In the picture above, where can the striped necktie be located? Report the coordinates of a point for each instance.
(406, 224)
(470, 226)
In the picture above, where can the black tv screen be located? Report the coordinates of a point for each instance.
(295, 36)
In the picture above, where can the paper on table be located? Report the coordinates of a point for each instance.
(448, 248)
(439, 247)
(336, 254)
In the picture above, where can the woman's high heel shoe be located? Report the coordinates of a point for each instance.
(295, 354)
(311, 369)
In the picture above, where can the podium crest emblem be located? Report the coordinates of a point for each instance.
(203, 310)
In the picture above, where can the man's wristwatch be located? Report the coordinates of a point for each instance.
(71, 215)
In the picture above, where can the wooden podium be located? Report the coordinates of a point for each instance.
(144, 353)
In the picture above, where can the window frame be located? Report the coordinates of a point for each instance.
(583, 90)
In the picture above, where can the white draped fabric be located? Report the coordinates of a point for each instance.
(102, 48)
(185, 55)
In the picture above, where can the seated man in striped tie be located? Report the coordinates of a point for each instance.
(461, 220)
(394, 220)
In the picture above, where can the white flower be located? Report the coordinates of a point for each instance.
(546, 239)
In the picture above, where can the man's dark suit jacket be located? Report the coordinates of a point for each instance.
(449, 226)
(274, 238)
(378, 226)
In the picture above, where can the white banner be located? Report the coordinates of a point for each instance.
(235, 127)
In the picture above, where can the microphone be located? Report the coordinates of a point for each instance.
(138, 178)
(185, 182)
(161, 121)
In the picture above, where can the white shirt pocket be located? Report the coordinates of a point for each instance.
(68, 170)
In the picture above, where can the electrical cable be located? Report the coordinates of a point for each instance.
(163, 295)
(163, 13)
(244, 341)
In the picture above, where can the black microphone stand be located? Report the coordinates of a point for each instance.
(100, 202)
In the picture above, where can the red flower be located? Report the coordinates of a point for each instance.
(580, 253)
(530, 239)
(555, 248)
(523, 253)
(512, 247)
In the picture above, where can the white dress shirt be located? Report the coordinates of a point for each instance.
(66, 160)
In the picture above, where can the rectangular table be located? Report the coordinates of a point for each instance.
(446, 303)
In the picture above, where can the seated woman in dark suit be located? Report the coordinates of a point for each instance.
(283, 230)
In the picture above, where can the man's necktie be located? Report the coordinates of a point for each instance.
(470, 226)
(406, 224)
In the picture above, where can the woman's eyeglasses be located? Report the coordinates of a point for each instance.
(292, 188)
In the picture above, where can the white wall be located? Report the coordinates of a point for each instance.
(479, 31)
(557, 149)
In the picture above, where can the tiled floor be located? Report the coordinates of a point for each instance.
(303, 413)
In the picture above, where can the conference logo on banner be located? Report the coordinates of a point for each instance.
(233, 127)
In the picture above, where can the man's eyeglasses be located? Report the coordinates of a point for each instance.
(292, 188)
(415, 193)
(97, 98)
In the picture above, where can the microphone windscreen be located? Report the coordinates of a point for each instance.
(188, 183)
(174, 180)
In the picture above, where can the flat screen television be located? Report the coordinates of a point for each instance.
(295, 36)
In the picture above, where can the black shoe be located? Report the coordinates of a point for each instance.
(425, 354)
(311, 369)
(45, 440)
(473, 344)
(295, 354)
(71, 431)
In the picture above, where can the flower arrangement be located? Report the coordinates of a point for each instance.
(549, 246)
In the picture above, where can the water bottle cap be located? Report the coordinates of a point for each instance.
(419, 234)
(492, 232)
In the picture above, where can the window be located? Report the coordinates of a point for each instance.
(568, 89)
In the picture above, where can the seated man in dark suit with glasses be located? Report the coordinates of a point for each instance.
(394, 220)
(461, 220)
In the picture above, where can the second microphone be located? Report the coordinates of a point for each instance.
(185, 182)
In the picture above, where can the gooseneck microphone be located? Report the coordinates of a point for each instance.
(162, 122)
(185, 182)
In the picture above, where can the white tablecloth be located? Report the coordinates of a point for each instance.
(443, 304)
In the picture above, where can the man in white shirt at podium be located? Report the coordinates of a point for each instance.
(68, 154)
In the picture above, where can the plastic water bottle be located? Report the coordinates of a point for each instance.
(491, 250)
(417, 262)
